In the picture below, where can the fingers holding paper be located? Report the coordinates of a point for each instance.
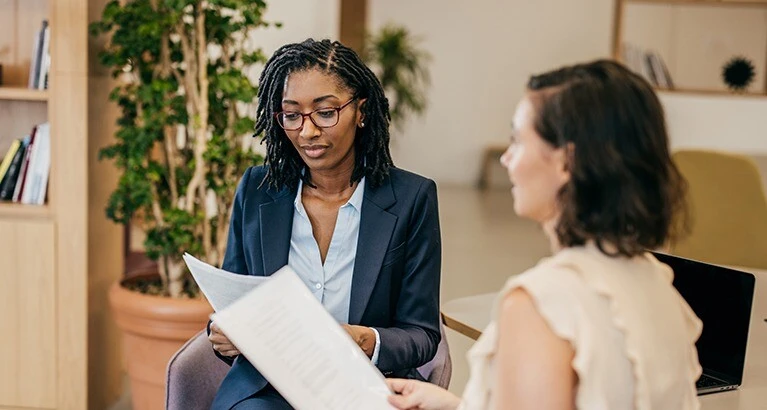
(221, 343)
(414, 394)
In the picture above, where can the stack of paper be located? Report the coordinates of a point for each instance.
(284, 331)
(221, 288)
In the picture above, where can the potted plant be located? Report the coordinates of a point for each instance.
(399, 64)
(183, 141)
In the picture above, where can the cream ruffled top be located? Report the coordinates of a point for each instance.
(633, 334)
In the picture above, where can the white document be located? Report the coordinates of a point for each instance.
(219, 286)
(293, 341)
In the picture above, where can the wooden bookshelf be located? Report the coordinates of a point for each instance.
(719, 6)
(720, 93)
(22, 94)
(24, 211)
(61, 349)
(714, 3)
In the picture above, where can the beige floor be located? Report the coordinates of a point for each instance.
(483, 243)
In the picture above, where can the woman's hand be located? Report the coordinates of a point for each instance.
(221, 343)
(363, 336)
(414, 394)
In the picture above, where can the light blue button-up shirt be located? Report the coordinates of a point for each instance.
(330, 283)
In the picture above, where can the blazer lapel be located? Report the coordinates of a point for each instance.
(376, 228)
(276, 221)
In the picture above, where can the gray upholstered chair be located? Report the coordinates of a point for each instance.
(194, 373)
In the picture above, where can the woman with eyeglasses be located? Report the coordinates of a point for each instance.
(363, 235)
(598, 325)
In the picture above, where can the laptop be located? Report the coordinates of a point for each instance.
(722, 299)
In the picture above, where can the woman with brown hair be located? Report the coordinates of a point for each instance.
(598, 325)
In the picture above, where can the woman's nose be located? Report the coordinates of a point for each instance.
(309, 130)
(506, 157)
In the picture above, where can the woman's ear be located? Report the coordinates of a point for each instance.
(569, 157)
(360, 114)
(565, 158)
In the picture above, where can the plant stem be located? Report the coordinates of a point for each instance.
(223, 217)
(171, 159)
(198, 115)
(176, 277)
(162, 266)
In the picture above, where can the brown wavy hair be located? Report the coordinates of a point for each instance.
(625, 193)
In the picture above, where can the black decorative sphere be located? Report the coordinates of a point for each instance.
(738, 73)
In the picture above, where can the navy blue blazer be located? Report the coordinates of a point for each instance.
(396, 277)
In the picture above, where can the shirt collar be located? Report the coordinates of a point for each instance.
(359, 193)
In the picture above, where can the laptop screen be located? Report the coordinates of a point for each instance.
(722, 299)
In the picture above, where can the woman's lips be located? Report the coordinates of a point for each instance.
(314, 151)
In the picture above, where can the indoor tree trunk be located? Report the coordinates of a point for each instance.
(176, 269)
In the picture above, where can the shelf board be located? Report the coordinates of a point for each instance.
(725, 3)
(22, 94)
(716, 93)
(9, 209)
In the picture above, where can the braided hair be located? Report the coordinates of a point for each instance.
(371, 144)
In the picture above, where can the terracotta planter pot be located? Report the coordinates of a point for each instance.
(154, 328)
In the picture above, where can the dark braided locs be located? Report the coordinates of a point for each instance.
(284, 165)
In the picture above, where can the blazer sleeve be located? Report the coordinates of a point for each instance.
(234, 258)
(413, 339)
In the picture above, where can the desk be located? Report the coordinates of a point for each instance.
(470, 315)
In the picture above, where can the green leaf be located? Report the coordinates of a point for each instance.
(402, 69)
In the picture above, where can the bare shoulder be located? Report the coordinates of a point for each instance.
(519, 318)
(527, 345)
(517, 306)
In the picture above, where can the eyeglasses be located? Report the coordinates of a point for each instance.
(322, 117)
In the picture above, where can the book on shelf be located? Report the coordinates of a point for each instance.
(27, 142)
(666, 75)
(36, 178)
(41, 59)
(11, 177)
(8, 158)
(651, 74)
(648, 64)
(26, 178)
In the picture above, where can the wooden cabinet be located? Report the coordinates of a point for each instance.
(29, 336)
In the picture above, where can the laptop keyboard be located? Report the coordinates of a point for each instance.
(706, 381)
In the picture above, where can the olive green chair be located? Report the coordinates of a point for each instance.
(728, 209)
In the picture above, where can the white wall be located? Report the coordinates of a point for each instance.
(318, 19)
(300, 20)
(483, 52)
(728, 123)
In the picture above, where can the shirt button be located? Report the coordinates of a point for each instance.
(318, 286)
